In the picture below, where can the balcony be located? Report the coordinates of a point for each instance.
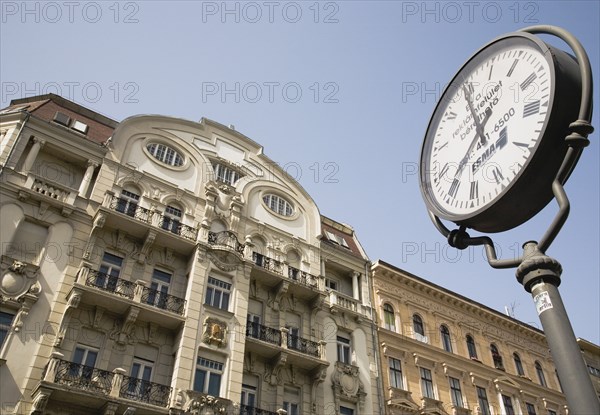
(272, 342)
(138, 221)
(92, 387)
(120, 295)
(272, 272)
(163, 301)
(226, 250)
(251, 410)
(143, 391)
(48, 191)
(345, 303)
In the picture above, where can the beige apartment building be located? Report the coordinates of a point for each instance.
(442, 353)
(164, 266)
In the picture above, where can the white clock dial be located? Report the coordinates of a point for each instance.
(488, 129)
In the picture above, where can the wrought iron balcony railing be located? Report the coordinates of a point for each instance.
(144, 391)
(174, 226)
(130, 208)
(251, 410)
(302, 277)
(226, 239)
(110, 283)
(163, 301)
(264, 333)
(83, 377)
(303, 345)
(267, 263)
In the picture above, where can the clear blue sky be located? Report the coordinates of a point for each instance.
(339, 93)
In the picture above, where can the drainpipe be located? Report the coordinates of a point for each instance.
(16, 139)
(380, 391)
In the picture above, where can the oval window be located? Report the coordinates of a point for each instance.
(165, 154)
(278, 205)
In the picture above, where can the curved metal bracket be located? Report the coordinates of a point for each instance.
(576, 140)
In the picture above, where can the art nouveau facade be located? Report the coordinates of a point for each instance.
(159, 265)
(442, 353)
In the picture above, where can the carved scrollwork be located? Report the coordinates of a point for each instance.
(214, 332)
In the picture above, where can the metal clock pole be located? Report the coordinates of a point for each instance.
(540, 274)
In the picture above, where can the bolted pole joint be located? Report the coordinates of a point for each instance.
(537, 267)
(458, 238)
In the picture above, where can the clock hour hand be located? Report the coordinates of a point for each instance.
(478, 125)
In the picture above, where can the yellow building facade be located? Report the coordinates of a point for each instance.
(442, 353)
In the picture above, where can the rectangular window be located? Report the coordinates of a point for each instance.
(84, 361)
(248, 396)
(331, 284)
(508, 407)
(530, 409)
(208, 376)
(396, 380)
(484, 405)
(343, 350)
(551, 412)
(217, 293)
(291, 400)
(456, 392)
(140, 378)
(159, 289)
(108, 274)
(427, 383)
(5, 324)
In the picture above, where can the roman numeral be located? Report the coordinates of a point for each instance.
(497, 175)
(531, 108)
(475, 190)
(454, 187)
(451, 115)
(444, 170)
(528, 81)
(512, 68)
(523, 146)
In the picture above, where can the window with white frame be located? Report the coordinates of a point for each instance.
(110, 269)
(427, 383)
(225, 174)
(207, 378)
(331, 284)
(159, 289)
(140, 377)
(396, 380)
(217, 293)
(165, 154)
(128, 202)
(248, 396)
(84, 359)
(171, 220)
(291, 400)
(455, 392)
(344, 349)
(389, 317)
(278, 204)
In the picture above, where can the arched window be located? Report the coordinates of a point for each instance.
(388, 317)
(518, 364)
(496, 357)
(471, 347)
(127, 203)
(540, 373)
(418, 325)
(446, 341)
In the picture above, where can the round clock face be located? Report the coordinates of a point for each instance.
(487, 127)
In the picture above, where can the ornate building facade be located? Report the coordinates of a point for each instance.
(163, 266)
(442, 353)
